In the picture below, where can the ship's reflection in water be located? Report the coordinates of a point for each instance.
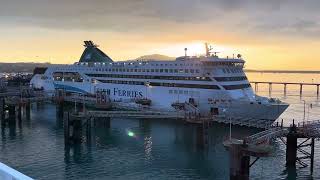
(128, 149)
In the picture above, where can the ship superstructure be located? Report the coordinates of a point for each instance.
(212, 85)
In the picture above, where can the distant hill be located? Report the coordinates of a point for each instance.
(20, 67)
(284, 71)
(156, 57)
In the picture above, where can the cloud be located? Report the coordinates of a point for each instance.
(279, 17)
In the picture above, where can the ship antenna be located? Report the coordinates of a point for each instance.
(185, 52)
(208, 49)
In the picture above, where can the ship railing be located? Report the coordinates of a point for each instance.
(8, 173)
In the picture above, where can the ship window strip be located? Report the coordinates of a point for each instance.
(241, 78)
(200, 86)
(238, 86)
(151, 77)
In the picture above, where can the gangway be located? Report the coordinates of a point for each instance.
(258, 145)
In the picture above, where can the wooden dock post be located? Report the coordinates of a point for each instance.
(200, 136)
(28, 110)
(12, 111)
(19, 109)
(2, 111)
(285, 89)
(239, 163)
(317, 90)
(312, 156)
(256, 87)
(77, 130)
(270, 88)
(74, 123)
(291, 149)
(88, 131)
(301, 89)
(102, 121)
(66, 127)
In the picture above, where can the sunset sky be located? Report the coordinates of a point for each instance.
(271, 34)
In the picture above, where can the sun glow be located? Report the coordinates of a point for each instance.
(193, 49)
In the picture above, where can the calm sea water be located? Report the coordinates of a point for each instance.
(157, 150)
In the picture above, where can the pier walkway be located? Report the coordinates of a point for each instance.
(270, 83)
(259, 145)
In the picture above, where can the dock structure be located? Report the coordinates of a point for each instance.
(18, 100)
(258, 145)
(99, 100)
(256, 86)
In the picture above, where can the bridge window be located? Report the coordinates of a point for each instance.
(238, 86)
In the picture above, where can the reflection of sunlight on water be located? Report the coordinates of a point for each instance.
(148, 148)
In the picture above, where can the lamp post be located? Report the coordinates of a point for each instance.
(304, 109)
(230, 130)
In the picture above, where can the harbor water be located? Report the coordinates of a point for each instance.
(152, 149)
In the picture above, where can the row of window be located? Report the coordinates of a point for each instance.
(234, 64)
(238, 86)
(192, 93)
(149, 70)
(242, 78)
(200, 86)
(151, 77)
(67, 76)
(232, 70)
(138, 63)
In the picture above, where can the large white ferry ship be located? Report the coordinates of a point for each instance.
(214, 86)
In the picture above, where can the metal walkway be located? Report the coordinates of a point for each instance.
(133, 114)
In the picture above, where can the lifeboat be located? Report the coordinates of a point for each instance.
(178, 105)
(143, 101)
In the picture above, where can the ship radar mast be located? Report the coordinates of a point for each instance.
(209, 50)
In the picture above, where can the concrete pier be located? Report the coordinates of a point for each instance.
(301, 85)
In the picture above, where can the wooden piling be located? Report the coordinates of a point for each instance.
(285, 89)
(270, 88)
(312, 156)
(19, 109)
(239, 163)
(102, 122)
(301, 89)
(77, 130)
(28, 110)
(2, 111)
(12, 111)
(317, 90)
(291, 150)
(66, 127)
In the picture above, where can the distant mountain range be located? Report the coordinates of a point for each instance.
(20, 67)
(156, 57)
(283, 71)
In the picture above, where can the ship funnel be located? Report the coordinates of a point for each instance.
(93, 54)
